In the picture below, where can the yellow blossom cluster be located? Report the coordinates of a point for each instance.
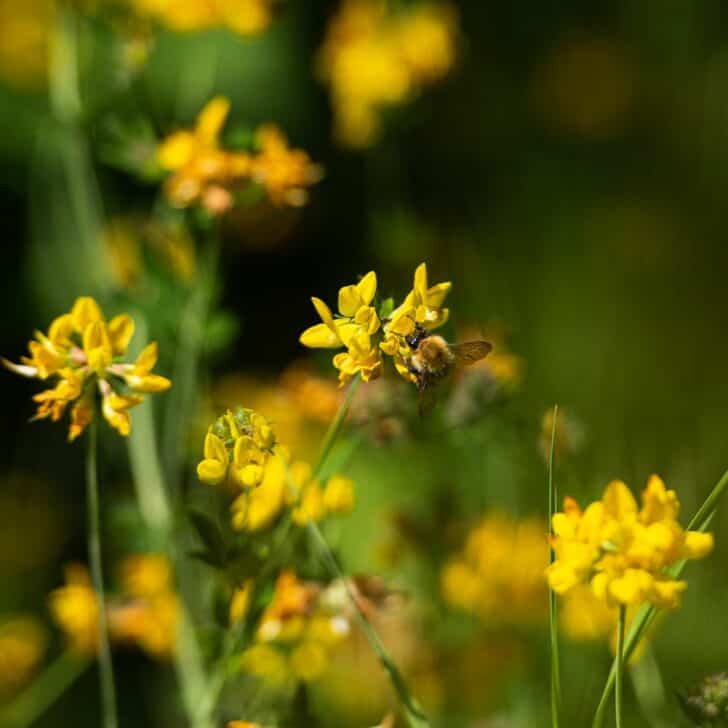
(237, 447)
(295, 632)
(290, 485)
(374, 57)
(499, 573)
(22, 645)
(24, 39)
(202, 171)
(83, 353)
(365, 336)
(245, 17)
(145, 613)
(624, 552)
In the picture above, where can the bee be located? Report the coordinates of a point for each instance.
(432, 358)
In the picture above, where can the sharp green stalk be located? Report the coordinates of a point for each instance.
(108, 690)
(553, 616)
(699, 522)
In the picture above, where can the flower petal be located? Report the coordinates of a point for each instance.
(367, 287)
(320, 336)
(121, 329)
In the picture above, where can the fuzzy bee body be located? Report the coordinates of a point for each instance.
(432, 358)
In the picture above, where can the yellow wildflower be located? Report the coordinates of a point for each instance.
(82, 350)
(245, 17)
(25, 28)
(499, 573)
(22, 645)
(623, 552)
(236, 450)
(75, 608)
(373, 58)
(311, 507)
(240, 602)
(285, 173)
(353, 329)
(339, 495)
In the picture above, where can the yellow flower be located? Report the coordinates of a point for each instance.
(25, 28)
(146, 575)
(83, 351)
(499, 573)
(240, 602)
(22, 645)
(236, 449)
(622, 551)
(309, 661)
(339, 495)
(256, 509)
(75, 609)
(374, 58)
(311, 507)
(285, 173)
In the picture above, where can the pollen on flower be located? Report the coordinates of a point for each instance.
(624, 552)
(83, 354)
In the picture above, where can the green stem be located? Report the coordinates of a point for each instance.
(181, 399)
(413, 711)
(620, 665)
(649, 689)
(44, 691)
(335, 428)
(108, 692)
(647, 613)
(553, 616)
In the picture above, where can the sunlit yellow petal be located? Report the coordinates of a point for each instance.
(320, 336)
(211, 120)
(120, 330)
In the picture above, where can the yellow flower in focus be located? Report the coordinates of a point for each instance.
(75, 609)
(256, 509)
(374, 58)
(499, 573)
(624, 552)
(236, 449)
(22, 646)
(83, 352)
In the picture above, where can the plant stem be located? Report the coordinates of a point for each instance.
(44, 691)
(620, 665)
(647, 613)
(181, 399)
(335, 428)
(553, 621)
(108, 692)
(413, 711)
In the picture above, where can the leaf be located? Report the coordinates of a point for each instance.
(211, 536)
(386, 307)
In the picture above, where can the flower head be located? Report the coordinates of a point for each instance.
(83, 354)
(75, 608)
(622, 551)
(236, 449)
(22, 646)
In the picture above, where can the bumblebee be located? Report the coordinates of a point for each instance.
(432, 358)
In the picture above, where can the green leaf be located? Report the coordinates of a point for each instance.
(386, 307)
(211, 536)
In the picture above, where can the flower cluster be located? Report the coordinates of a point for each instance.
(290, 485)
(202, 171)
(623, 552)
(365, 336)
(237, 448)
(302, 622)
(145, 612)
(374, 58)
(499, 573)
(246, 17)
(22, 646)
(83, 352)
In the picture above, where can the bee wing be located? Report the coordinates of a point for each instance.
(471, 351)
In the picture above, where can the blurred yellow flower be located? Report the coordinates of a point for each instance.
(373, 58)
(83, 352)
(25, 27)
(339, 496)
(202, 171)
(623, 552)
(240, 602)
(236, 449)
(75, 609)
(246, 17)
(296, 631)
(499, 573)
(22, 646)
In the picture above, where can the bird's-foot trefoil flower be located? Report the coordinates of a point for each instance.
(83, 354)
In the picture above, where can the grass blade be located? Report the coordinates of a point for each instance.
(553, 616)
